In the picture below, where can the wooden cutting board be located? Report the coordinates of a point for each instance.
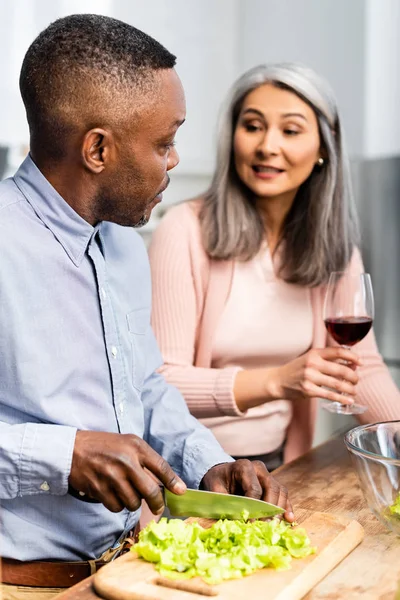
(131, 578)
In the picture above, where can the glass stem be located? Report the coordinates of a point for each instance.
(345, 362)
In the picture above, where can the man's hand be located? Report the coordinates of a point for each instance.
(247, 478)
(117, 470)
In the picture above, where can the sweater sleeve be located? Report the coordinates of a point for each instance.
(178, 296)
(376, 388)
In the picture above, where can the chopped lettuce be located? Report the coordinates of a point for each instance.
(245, 515)
(394, 509)
(227, 550)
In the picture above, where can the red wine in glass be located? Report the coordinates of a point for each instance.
(348, 317)
(347, 331)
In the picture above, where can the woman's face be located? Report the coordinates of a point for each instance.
(276, 142)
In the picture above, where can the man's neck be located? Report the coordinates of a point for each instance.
(74, 188)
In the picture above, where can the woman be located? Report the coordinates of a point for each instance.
(239, 274)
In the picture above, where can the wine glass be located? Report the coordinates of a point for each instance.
(348, 316)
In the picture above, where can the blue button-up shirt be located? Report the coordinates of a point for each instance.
(76, 352)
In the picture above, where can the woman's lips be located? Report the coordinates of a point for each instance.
(262, 172)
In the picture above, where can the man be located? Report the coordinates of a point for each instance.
(83, 413)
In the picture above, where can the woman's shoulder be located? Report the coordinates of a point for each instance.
(178, 237)
(354, 267)
(184, 218)
(180, 226)
(187, 211)
(356, 262)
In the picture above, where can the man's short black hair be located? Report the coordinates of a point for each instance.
(72, 63)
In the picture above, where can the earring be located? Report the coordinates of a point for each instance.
(320, 161)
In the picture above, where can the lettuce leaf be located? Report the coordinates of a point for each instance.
(227, 550)
(395, 507)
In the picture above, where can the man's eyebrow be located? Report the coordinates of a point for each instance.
(174, 126)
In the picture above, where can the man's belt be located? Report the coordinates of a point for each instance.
(59, 574)
(43, 573)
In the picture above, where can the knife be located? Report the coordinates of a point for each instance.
(212, 505)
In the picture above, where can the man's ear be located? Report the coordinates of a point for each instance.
(97, 149)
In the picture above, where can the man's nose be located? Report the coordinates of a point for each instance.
(173, 158)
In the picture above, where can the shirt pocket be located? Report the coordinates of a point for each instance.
(138, 323)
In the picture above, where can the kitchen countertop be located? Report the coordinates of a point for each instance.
(324, 480)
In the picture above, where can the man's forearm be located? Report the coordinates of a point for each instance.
(189, 447)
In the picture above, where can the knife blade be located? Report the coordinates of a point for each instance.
(212, 505)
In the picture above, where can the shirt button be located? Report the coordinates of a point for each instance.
(121, 408)
(103, 293)
(114, 351)
(45, 486)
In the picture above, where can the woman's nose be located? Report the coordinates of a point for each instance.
(270, 143)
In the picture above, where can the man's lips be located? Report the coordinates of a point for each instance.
(160, 193)
(155, 201)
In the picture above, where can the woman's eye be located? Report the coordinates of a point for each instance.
(252, 127)
(291, 131)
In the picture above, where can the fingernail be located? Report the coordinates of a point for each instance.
(290, 516)
(179, 487)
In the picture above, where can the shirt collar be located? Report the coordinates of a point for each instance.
(71, 230)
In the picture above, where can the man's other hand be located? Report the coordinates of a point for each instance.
(248, 478)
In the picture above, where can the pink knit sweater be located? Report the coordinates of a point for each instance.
(189, 294)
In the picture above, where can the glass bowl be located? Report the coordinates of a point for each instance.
(375, 451)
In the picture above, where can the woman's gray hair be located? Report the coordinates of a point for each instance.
(321, 228)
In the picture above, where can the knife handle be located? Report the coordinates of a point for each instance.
(85, 498)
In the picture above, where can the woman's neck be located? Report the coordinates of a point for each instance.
(273, 212)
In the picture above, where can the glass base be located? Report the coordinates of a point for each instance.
(344, 409)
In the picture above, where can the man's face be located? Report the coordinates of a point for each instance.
(145, 152)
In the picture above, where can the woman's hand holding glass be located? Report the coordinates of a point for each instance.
(328, 373)
(317, 373)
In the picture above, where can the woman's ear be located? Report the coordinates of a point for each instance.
(323, 153)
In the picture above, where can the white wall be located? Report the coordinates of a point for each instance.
(382, 87)
(327, 35)
(16, 30)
